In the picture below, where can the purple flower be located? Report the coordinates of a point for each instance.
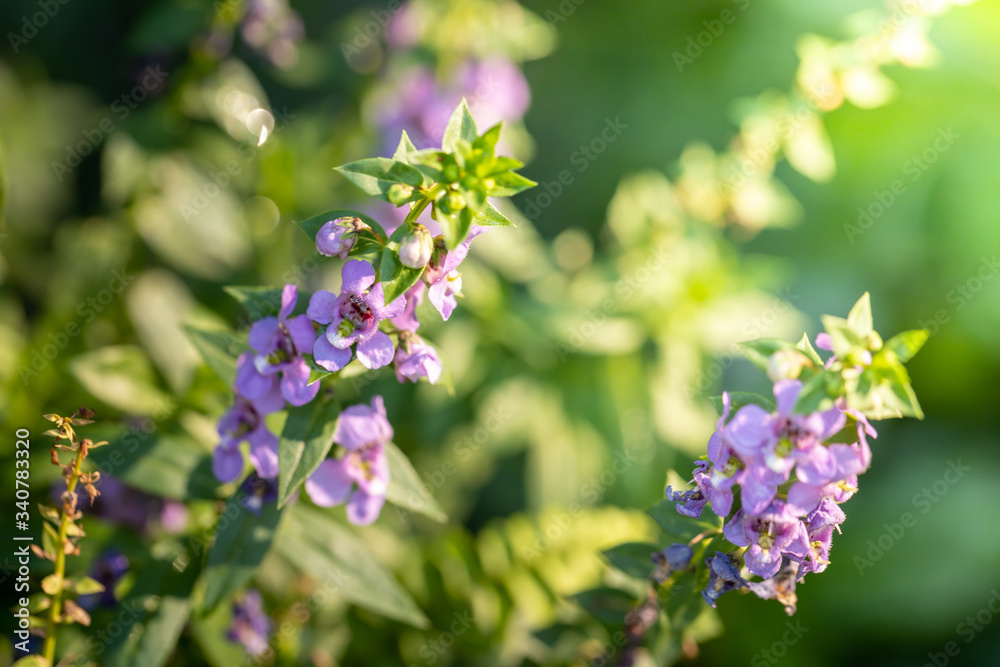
(415, 359)
(107, 570)
(692, 503)
(361, 477)
(336, 237)
(443, 277)
(245, 421)
(724, 576)
(771, 534)
(251, 626)
(353, 317)
(278, 344)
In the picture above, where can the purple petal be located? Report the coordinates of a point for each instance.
(264, 453)
(786, 392)
(734, 530)
(295, 383)
(322, 306)
(762, 563)
(270, 402)
(757, 491)
(442, 299)
(227, 463)
(249, 381)
(330, 484)
(376, 352)
(749, 430)
(359, 425)
(289, 295)
(376, 297)
(823, 342)
(819, 466)
(803, 498)
(356, 276)
(262, 334)
(302, 333)
(364, 508)
(329, 357)
(407, 320)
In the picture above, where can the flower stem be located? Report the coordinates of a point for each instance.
(49, 648)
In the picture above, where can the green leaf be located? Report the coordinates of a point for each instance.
(491, 217)
(311, 226)
(32, 661)
(242, 539)
(860, 317)
(219, 349)
(328, 551)
(844, 340)
(905, 345)
(665, 514)
(633, 558)
(305, 442)
(261, 302)
(406, 489)
(169, 466)
(148, 638)
(737, 399)
(815, 395)
(376, 175)
(805, 346)
(395, 277)
(487, 141)
(87, 586)
(455, 227)
(509, 184)
(607, 605)
(461, 125)
(122, 377)
(404, 148)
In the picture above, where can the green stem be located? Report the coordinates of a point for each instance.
(415, 212)
(49, 648)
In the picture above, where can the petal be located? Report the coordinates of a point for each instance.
(264, 452)
(250, 383)
(364, 508)
(359, 425)
(322, 306)
(329, 357)
(330, 483)
(750, 429)
(376, 299)
(262, 333)
(356, 276)
(407, 320)
(786, 392)
(762, 563)
(823, 341)
(227, 463)
(440, 298)
(757, 493)
(735, 532)
(289, 295)
(295, 383)
(722, 501)
(376, 352)
(818, 467)
(270, 402)
(302, 333)
(803, 498)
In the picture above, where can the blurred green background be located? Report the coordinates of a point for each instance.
(531, 428)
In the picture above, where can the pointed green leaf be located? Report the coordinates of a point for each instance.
(261, 302)
(87, 586)
(461, 125)
(242, 539)
(491, 217)
(815, 394)
(759, 351)
(376, 175)
(305, 442)
(219, 349)
(404, 148)
(509, 184)
(805, 346)
(455, 227)
(406, 488)
(487, 141)
(905, 345)
(325, 549)
(608, 605)
(860, 317)
(168, 466)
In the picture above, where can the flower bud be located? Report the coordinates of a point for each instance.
(336, 237)
(416, 247)
(400, 193)
(452, 173)
(786, 365)
(416, 359)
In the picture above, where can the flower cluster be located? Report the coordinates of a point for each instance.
(776, 473)
(371, 319)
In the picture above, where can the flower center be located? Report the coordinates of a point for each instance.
(356, 314)
(765, 535)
